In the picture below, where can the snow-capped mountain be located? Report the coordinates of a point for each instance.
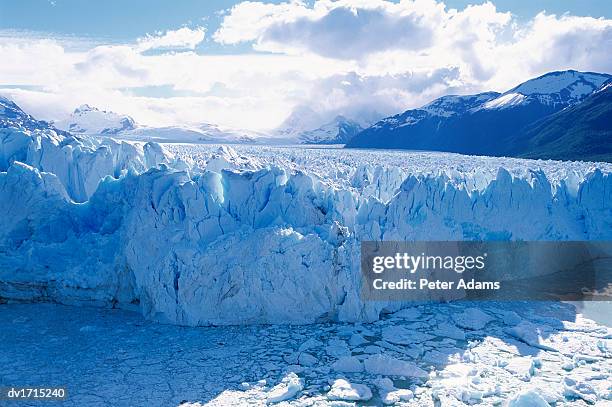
(305, 126)
(204, 133)
(562, 88)
(301, 119)
(90, 120)
(338, 131)
(444, 107)
(481, 124)
(87, 119)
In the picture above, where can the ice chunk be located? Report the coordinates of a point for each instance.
(306, 359)
(528, 398)
(288, 388)
(390, 366)
(357, 340)
(472, 318)
(529, 333)
(389, 394)
(578, 389)
(348, 364)
(404, 336)
(337, 348)
(396, 396)
(408, 314)
(344, 390)
(449, 330)
(310, 344)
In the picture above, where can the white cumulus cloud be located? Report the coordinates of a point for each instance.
(183, 38)
(358, 58)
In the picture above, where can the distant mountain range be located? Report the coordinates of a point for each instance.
(338, 131)
(95, 122)
(305, 126)
(560, 115)
(90, 120)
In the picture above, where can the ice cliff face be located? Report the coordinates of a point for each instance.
(79, 163)
(239, 240)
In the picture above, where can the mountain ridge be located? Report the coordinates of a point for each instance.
(485, 123)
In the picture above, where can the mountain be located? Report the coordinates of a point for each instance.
(204, 133)
(484, 124)
(305, 126)
(12, 116)
(339, 131)
(90, 120)
(582, 131)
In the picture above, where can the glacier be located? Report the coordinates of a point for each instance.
(218, 235)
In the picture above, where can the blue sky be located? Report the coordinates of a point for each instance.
(251, 65)
(120, 20)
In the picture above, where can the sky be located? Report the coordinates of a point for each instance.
(260, 65)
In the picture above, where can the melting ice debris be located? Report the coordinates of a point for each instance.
(390, 395)
(529, 333)
(449, 330)
(250, 353)
(529, 398)
(287, 389)
(357, 340)
(408, 314)
(578, 389)
(342, 389)
(348, 364)
(310, 344)
(402, 335)
(306, 359)
(337, 348)
(390, 366)
(472, 318)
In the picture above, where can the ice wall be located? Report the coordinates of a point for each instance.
(243, 242)
(78, 162)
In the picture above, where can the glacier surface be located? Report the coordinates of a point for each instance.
(201, 235)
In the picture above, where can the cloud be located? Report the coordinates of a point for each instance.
(368, 98)
(491, 49)
(359, 58)
(331, 29)
(183, 38)
(354, 29)
(247, 91)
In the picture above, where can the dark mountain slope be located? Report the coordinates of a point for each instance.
(579, 132)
